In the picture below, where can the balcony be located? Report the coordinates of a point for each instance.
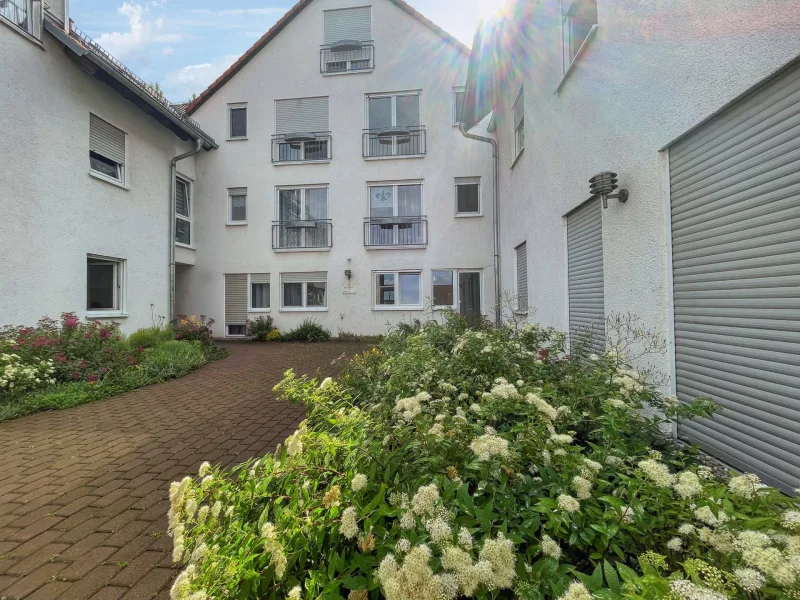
(347, 56)
(396, 232)
(301, 147)
(302, 235)
(394, 141)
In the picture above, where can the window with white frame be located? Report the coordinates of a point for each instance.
(302, 130)
(105, 279)
(578, 17)
(237, 121)
(348, 40)
(521, 252)
(395, 215)
(468, 196)
(458, 103)
(237, 206)
(458, 289)
(183, 212)
(303, 217)
(259, 292)
(106, 150)
(304, 291)
(24, 15)
(394, 125)
(519, 122)
(398, 290)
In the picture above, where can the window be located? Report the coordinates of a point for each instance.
(394, 125)
(468, 197)
(522, 277)
(25, 15)
(465, 296)
(304, 291)
(302, 130)
(237, 117)
(183, 212)
(395, 216)
(578, 17)
(237, 206)
(348, 41)
(303, 218)
(104, 284)
(259, 292)
(106, 150)
(519, 122)
(398, 290)
(458, 104)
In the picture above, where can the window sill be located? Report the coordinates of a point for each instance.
(410, 307)
(110, 180)
(286, 163)
(401, 157)
(283, 250)
(468, 215)
(239, 224)
(305, 309)
(521, 313)
(259, 310)
(187, 246)
(354, 72)
(516, 158)
(236, 139)
(571, 67)
(409, 247)
(19, 31)
(106, 314)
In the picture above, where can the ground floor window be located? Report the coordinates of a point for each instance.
(398, 289)
(459, 289)
(304, 291)
(234, 330)
(104, 283)
(259, 292)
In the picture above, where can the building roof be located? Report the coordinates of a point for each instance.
(281, 25)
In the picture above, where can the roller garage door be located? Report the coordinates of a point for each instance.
(735, 203)
(585, 274)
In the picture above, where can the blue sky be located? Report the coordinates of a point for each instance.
(185, 44)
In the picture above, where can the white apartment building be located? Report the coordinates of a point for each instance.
(342, 189)
(695, 106)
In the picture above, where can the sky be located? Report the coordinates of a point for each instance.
(183, 45)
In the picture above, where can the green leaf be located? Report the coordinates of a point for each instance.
(612, 579)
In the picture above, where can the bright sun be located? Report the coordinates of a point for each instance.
(489, 8)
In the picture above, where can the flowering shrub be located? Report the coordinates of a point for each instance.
(260, 328)
(16, 376)
(454, 462)
(193, 328)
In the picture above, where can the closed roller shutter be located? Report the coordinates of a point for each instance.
(348, 24)
(259, 278)
(301, 115)
(106, 140)
(585, 274)
(236, 299)
(735, 204)
(522, 277)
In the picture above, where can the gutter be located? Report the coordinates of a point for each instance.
(498, 289)
(173, 173)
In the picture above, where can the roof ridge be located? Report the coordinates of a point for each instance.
(282, 23)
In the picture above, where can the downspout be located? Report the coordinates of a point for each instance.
(173, 173)
(498, 289)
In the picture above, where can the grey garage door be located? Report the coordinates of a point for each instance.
(735, 198)
(585, 274)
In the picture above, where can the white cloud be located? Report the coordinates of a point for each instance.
(235, 12)
(180, 84)
(141, 36)
(168, 50)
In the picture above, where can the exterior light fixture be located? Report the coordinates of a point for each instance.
(348, 273)
(603, 185)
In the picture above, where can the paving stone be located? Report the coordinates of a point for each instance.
(50, 553)
(34, 529)
(33, 581)
(146, 588)
(87, 563)
(137, 569)
(50, 591)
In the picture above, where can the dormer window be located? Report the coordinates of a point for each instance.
(578, 19)
(23, 15)
(348, 46)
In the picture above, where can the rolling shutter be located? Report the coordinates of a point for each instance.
(236, 299)
(301, 115)
(106, 140)
(259, 278)
(181, 197)
(348, 24)
(522, 277)
(585, 273)
(316, 276)
(735, 204)
(519, 109)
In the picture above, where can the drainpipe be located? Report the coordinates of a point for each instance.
(173, 173)
(498, 290)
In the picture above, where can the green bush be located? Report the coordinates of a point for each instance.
(148, 337)
(348, 336)
(453, 462)
(308, 331)
(260, 328)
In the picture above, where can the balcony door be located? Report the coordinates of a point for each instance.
(469, 292)
(395, 212)
(302, 213)
(394, 122)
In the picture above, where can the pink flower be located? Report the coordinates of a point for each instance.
(141, 348)
(75, 375)
(92, 378)
(71, 322)
(104, 333)
(104, 370)
(86, 336)
(107, 349)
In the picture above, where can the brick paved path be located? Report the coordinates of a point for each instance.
(83, 491)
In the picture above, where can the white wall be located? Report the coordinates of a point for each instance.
(653, 70)
(408, 56)
(53, 212)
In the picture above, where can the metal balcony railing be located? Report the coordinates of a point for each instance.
(301, 234)
(25, 14)
(394, 141)
(301, 147)
(347, 56)
(395, 231)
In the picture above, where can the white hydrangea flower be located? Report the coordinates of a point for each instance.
(707, 516)
(489, 445)
(582, 487)
(402, 545)
(439, 529)
(791, 520)
(550, 547)
(560, 438)
(687, 485)
(542, 406)
(658, 473)
(576, 591)
(295, 445)
(465, 538)
(325, 383)
(750, 580)
(349, 526)
(425, 499)
(568, 503)
(691, 591)
(205, 469)
(504, 390)
(675, 544)
(359, 482)
(686, 529)
(407, 521)
(295, 593)
(745, 485)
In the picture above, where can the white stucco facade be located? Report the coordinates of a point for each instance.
(649, 73)
(54, 213)
(408, 56)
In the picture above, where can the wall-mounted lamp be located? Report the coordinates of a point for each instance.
(348, 273)
(603, 184)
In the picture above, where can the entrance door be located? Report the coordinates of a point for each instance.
(469, 292)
